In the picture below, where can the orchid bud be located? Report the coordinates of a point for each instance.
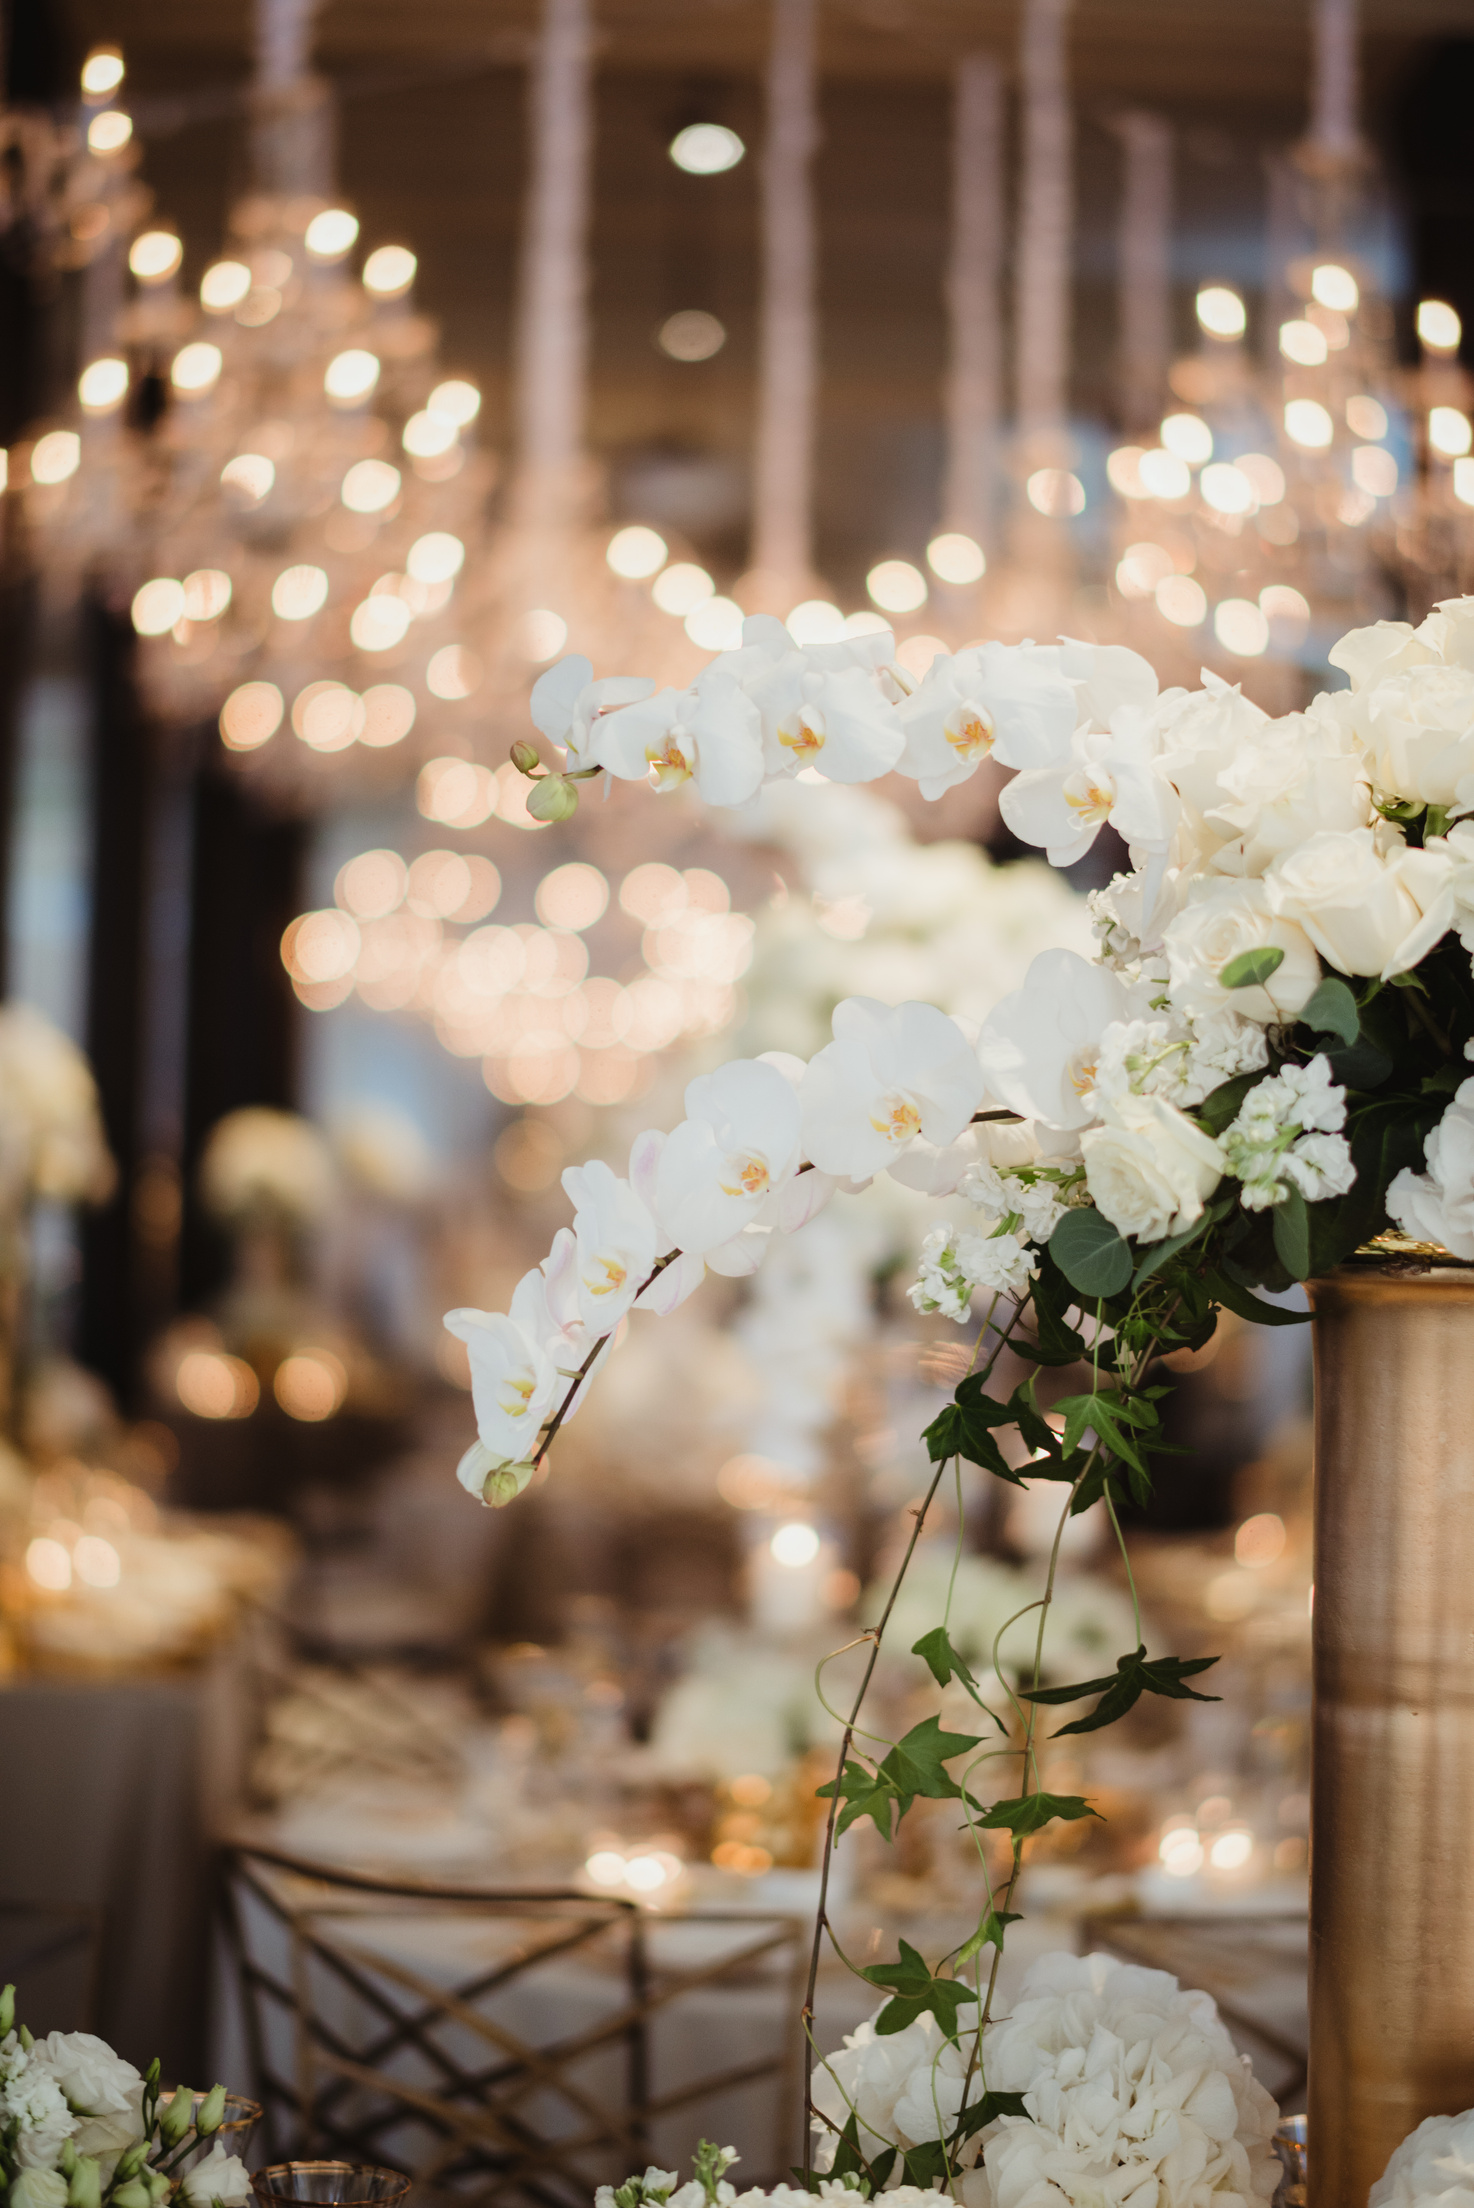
(27, 2043)
(525, 758)
(177, 2117)
(552, 798)
(7, 2012)
(85, 2189)
(135, 2193)
(212, 2112)
(505, 1484)
(131, 2160)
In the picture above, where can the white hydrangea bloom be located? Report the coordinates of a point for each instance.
(954, 1263)
(1287, 1135)
(32, 2098)
(1435, 2163)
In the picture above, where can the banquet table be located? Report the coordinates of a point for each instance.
(112, 1789)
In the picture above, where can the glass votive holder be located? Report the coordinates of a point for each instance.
(1290, 2144)
(237, 2130)
(328, 2185)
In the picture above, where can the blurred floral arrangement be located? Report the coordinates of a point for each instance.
(80, 2128)
(51, 1139)
(267, 1168)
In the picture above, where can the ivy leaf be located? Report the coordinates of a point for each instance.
(1291, 1218)
(1332, 1010)
(1023, 1814)
(988, 1934)
(944, 1663)
(849, 2161)
(1093, 1257)
(1251, 969)
(864, 1793)
(916, 1992)
(1112, 1417)
(1055, 1341)
(916, 1764)
(1121, 1689)
(965, 1429)
(926, 2165)
(1235, 1296)
(982, 2112)
(1158, 1254)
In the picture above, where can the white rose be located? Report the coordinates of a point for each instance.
(1434, 2163)
(1370, 655)
(1449, 631)
(1438, 1206)
(1293, 777)
(217, 2176)
(1222, 919)
(1417, 730)
(1202, 732)
(1349, 898)
(1150, 1169)
(96, 2082)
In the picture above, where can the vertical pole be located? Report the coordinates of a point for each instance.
(1144, 260)
(783, 461)
(1042, 274)
(1334, 82)
(553, 314)
(974, 271)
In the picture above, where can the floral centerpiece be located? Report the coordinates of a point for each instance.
(1264, 1066)
(80, 2128)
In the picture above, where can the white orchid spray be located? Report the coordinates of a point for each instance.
(1264, 1067)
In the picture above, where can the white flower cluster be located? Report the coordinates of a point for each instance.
(954, 1264)
(1134, 2095)
(1438, 1206)
(1287, 1135)
(663, 2189)
(1433, 2168)
(68, 2086)
(51, 1138)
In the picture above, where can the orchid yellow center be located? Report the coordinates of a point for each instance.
(969, 730)
(613, 1278)
(802, 733)
(746, 1176)
(902, 1119)
(669, 767)
(1090, 795)
(516, 1393)
(1081, 1072)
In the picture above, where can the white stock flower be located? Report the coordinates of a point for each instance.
(954, 1263)
(1031, 1197)
(1348, 894)
(31, 2098)
(616, 1243)
(710, 734)
(1135, 2094)
(1111, 775)
(1038, 1047)
(1149, 1169)
(1222, 920)
(1433, 2168)
(1182, 1061)
(217, 2176)
(737, 1146)
(1438, 1205)
(567, 703)
(893, 1072)
(1287, 1135)
(990, 701)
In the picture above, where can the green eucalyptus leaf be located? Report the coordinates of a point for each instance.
(1093, 1256)
(1332, 1010)
(1251, 969)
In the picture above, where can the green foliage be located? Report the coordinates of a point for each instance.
(915, 1765)
(1333, 1010)
(1251, 969)
(1091, 1254)
(1025, 1814)
(1123, 1688)
(916, 1991)
(943, 1662)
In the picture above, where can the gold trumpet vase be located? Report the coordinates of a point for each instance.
(1392, 1789)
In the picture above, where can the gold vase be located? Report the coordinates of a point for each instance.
(1392, 1876)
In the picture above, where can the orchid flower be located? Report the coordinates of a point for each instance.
(615, 1237)
(988, 702)
(710, 734)
(738, 1144)
(892, 1074)
(567, 705)
(1039, 1047)
(1110, 775)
